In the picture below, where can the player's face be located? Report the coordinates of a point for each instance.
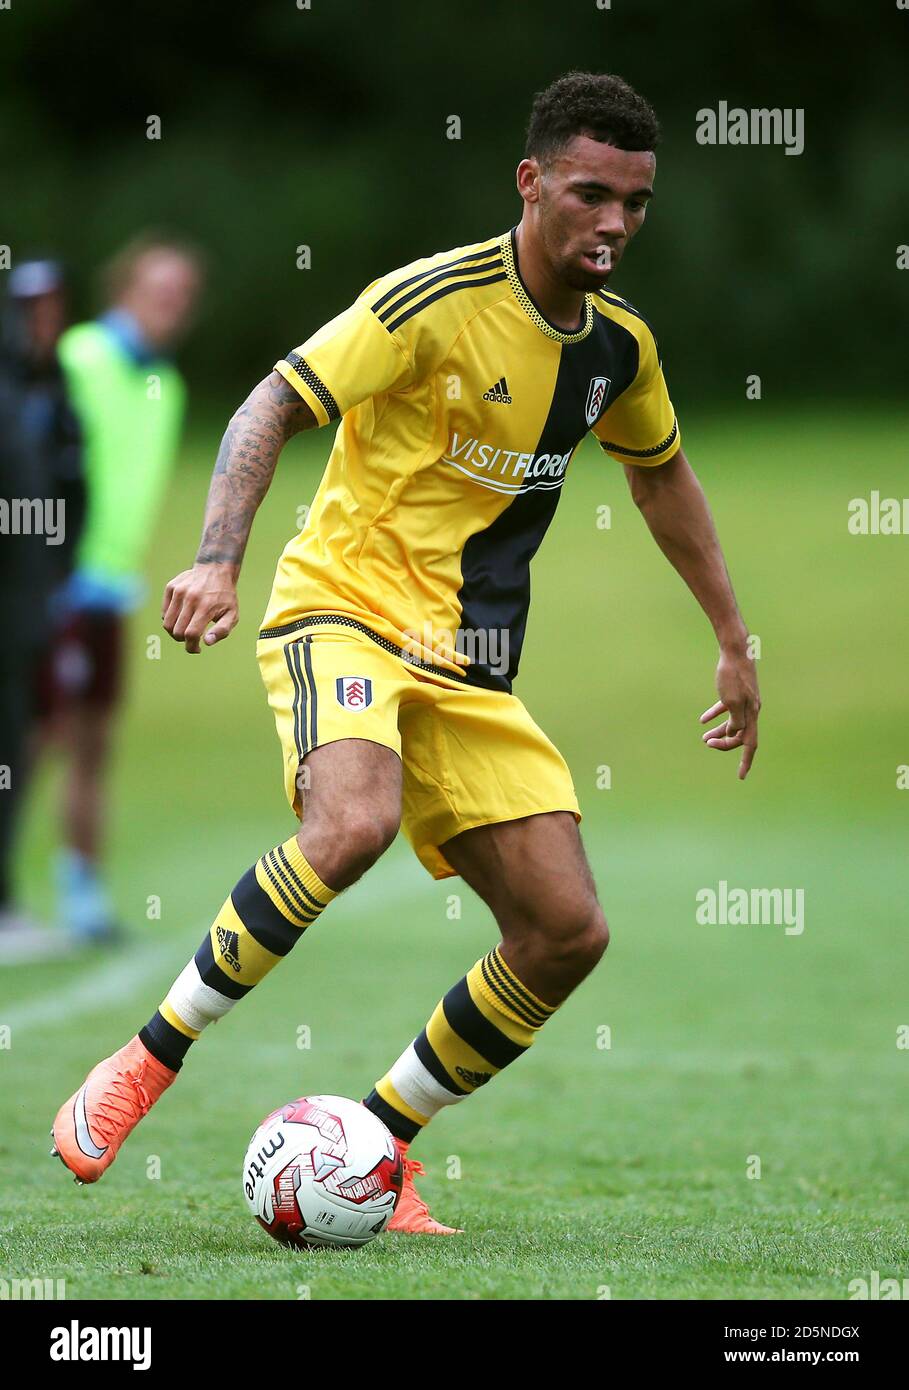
(592, 201)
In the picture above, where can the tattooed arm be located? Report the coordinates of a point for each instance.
(244, 468)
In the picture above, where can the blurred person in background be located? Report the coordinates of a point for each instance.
(129, 398)
(40, 460)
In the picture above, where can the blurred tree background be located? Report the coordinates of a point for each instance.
(326, 127)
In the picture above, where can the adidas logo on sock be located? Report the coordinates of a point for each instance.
(498, 393)
(229, 942)
(474, 1078)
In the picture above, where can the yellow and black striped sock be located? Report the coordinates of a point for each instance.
(263, 919)
(485, 1022)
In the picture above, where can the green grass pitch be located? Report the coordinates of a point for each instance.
(585, 1171)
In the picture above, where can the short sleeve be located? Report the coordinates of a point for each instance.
(641, 426)
(351, 358)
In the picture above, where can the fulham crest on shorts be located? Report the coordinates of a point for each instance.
(354, 692)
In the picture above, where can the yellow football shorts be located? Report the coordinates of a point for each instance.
(470, 756)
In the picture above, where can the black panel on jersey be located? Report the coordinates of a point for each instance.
(495, 563)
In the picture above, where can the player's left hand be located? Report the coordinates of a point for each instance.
(740, 701)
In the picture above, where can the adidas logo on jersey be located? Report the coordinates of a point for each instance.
(229, 943)
(498, 393)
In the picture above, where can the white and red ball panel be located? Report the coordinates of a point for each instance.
(322, 1170)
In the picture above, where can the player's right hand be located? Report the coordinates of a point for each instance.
(205, 594)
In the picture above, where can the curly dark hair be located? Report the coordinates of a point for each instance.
(597, 104)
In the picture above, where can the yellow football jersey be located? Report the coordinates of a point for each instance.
(461, 406)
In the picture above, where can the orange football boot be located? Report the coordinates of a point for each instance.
(412, 1214)
(91, 1126)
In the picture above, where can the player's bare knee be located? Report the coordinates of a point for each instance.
(577, 942)
(348, 843)
(596, 934)
(567, 938)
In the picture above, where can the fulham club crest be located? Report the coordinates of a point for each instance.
(596, 398)
(354, 692)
